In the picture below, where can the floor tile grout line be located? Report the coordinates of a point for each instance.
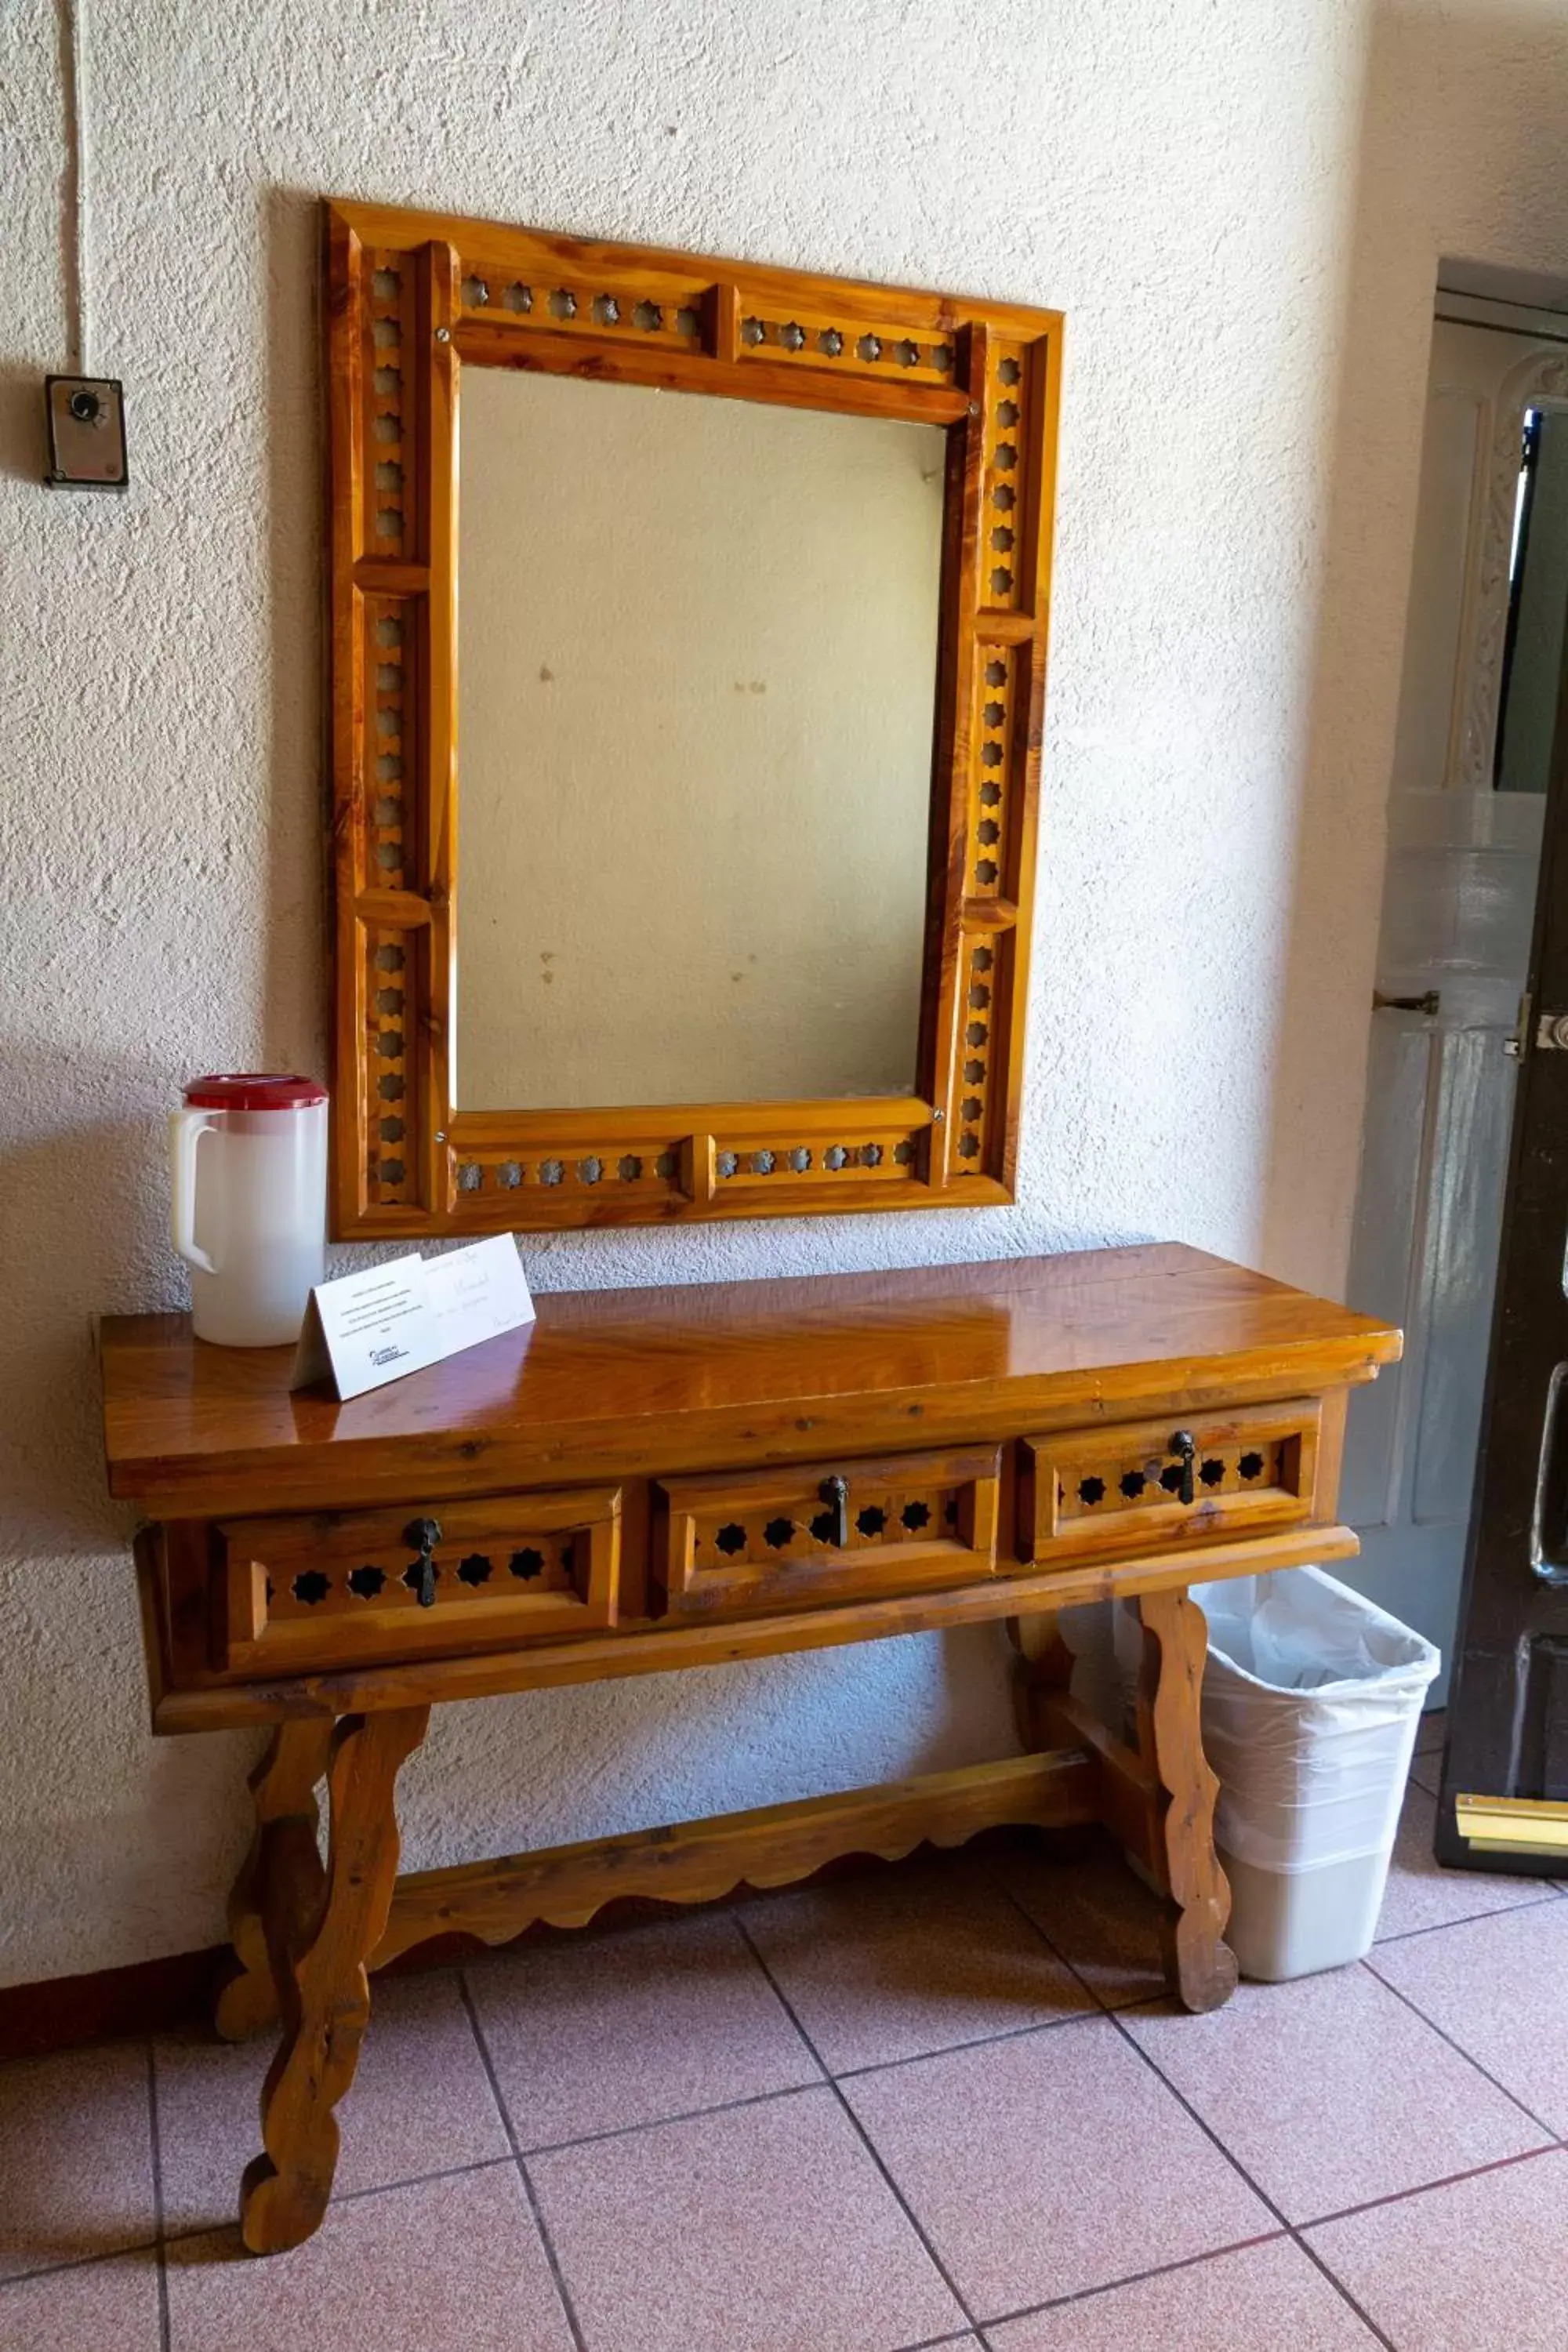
(1460, 2050)
(792, 2090)
(953, 2049)
(1395, 2197)
(344, 2196)
(836, 2074)
(1342, 2291)
(490, 2163)
(1115, 2016)
(1440, 1926)
(531, 2151)
(118, 2253)
(79, 2262)
(568, 2308)
(1277, 2211)
(1425, 2188)
(1102, 2007)
(657, 2123)
(416, 2180)
(481, 2164)
(933, 2343)
(1136, 2278)
(339, 2197)
(160, 2240)
(861, 2133)
(1269, 2202)
(1206, 2128)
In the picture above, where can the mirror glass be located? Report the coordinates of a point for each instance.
(697, 682)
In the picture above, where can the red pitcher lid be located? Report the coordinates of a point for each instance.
(253, 1090)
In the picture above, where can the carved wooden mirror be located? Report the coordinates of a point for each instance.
(685, 750)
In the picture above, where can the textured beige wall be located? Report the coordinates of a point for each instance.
(1240, 209)
(697, 673)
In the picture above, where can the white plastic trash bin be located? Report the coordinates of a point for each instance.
(1311, 1700)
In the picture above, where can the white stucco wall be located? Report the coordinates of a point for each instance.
(1240, 208)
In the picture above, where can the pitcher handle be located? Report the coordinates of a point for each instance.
(185, 1128)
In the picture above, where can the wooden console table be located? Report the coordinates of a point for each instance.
(647, 1481)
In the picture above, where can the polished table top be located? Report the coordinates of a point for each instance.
(740, 1362)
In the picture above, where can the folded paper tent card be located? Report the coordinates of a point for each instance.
(380, 1324)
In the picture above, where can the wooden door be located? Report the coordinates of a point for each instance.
(1505, 1773)
(1440, 1088)
(1453, 946)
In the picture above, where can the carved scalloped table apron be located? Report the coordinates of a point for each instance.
(653, 1480)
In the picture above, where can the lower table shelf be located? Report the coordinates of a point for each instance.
(693, 1862)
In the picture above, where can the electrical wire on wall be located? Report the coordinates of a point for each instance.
(73, 76)
(84, 415)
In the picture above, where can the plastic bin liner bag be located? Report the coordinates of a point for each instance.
(1311, 1700)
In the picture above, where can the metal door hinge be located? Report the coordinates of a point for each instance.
(1514, 1046)
(1550, 1035)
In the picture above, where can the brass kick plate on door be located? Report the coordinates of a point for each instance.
(1512, 1824)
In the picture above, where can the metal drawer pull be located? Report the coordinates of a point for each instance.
(424, 1535)
(835, 1493)
(1184, 1445)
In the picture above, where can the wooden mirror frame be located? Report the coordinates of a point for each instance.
(413, 296)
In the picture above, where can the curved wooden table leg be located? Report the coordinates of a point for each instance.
(282, 1788)
(319, 1939)
(1199, 1964)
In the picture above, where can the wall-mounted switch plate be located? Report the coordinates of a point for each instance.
(87, 433)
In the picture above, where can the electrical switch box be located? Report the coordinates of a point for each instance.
(86, 417)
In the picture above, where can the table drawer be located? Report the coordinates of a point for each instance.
(341, 1588)
(744, 1542)
(1144, 1486)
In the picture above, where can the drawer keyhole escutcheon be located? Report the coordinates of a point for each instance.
(835, 1493)
(424, 1535)
(1184, 1446)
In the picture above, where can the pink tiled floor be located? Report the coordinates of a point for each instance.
(942, 2105)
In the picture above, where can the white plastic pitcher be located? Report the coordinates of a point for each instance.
(249, 1157)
